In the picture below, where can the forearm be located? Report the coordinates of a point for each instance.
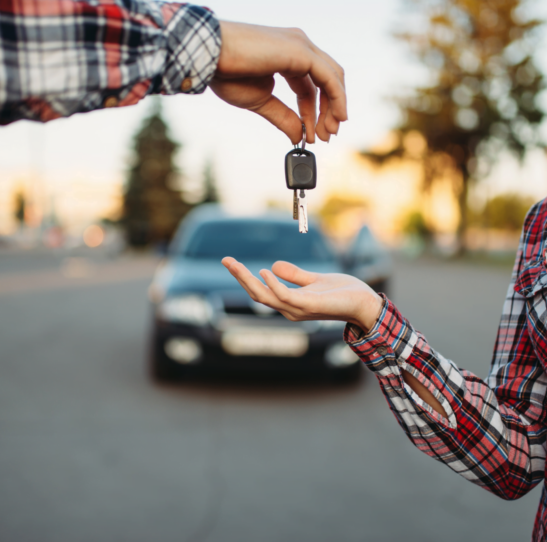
(448, 413)
(91, 56)
(366, 321)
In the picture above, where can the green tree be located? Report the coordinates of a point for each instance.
(210, 191)
(20, 206)
(503, 212)
(415, 224)
(152, 206)
(482, 96)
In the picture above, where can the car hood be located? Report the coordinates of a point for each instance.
(204, 276)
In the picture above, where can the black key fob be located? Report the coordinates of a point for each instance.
(300, 169)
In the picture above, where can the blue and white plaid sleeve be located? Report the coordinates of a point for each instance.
(60, 57)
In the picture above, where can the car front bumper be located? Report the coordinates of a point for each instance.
(214, 356)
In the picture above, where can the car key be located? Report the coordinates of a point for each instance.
(302, 213)
(300, 175)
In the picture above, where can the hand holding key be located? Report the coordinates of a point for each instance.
(250, 56)
(331, 296)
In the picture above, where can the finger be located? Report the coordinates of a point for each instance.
(301, 304)
(228, 261)
(339, 72)
(249, 282)
(327, 124)
(326, 78)
(320, 129)
(306, 98)
(254, 287)
(282, 117)
(333, 64)
(287, 296)
(331, 124)
(294, 274)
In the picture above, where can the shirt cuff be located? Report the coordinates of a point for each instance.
(387, 350)
(390, 339)
(193, 48)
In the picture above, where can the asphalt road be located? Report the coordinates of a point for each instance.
(90, 450)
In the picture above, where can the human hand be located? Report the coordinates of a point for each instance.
(249, 58)
(332, 296)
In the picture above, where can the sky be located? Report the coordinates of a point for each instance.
(248, 152)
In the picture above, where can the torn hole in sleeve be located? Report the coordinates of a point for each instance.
(450, 420)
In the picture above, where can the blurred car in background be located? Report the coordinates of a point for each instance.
(369, 261)
(203, 319)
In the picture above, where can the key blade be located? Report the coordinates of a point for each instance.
(295, 206)
(302, 213)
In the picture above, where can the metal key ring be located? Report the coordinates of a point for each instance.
(303, 144)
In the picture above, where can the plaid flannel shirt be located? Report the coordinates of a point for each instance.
(59, 57)
(495, 432)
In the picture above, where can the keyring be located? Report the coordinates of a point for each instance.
(303, 144)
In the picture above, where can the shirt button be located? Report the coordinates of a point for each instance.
(111, 101)
(186, 85)
(382, 350)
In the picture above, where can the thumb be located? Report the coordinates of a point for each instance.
(282, 117)
(294, 274)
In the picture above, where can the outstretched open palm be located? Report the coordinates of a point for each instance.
(331, 296)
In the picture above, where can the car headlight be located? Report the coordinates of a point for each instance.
(190, 309)
(340, 355)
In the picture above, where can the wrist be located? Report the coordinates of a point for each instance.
(370, 309)
(236, 39)
(225, 32)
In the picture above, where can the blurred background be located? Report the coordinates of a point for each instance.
(442, 156)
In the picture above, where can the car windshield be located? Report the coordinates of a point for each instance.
(248, 240)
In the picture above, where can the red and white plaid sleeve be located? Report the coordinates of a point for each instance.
(495, 432)
(60, 57)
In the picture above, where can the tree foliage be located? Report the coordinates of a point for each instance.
(20, 204)
(210, 190)
(482, 95)
(338, 205)
(415, 224)
(503, 212)
(152, 206)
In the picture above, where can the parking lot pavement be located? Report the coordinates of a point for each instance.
(92, 451)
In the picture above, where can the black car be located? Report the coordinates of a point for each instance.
(203, 319)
